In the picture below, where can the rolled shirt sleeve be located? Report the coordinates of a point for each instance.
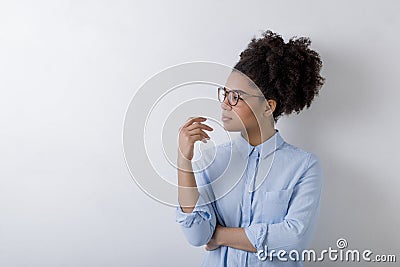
(295, 230)
(199, 225)
(199, 213)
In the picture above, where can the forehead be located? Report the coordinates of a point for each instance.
(238, 81)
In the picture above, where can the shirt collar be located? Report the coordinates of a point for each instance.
(265, 149)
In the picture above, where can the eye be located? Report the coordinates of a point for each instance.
(235, 96)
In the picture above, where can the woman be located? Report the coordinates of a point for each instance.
(261, 214)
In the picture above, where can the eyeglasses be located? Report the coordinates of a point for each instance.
(233, 95)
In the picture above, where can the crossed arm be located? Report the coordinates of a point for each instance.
(234, 237)
(290, 233)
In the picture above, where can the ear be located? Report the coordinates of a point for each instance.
(270, 108)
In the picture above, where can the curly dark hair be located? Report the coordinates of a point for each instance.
(286, 72)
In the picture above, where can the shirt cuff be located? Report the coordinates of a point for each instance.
(200, 213)
(257, 233)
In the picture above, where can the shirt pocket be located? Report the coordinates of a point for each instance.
(275, 205)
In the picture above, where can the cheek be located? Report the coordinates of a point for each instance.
(245, 114)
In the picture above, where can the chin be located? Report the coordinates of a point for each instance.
(229, 128)
(232, 125)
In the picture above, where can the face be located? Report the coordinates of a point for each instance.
(249, 109)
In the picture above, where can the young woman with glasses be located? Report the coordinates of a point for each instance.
(257, 218)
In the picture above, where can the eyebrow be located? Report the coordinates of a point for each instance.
(238, 90)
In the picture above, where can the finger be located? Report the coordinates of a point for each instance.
(198, 131)
(199, 125)
(191, 120)
(197, 137)
(202, 137)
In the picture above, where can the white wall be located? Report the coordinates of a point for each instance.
(68, 70)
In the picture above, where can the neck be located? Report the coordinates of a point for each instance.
(258, 136)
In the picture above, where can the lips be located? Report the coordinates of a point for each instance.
(225, 118)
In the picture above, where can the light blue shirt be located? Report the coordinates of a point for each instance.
(271, 190)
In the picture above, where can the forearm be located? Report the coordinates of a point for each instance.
(187, 187)
(234, 237)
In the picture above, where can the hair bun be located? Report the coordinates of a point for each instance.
(286, 72)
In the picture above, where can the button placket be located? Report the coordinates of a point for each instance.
(250, 182)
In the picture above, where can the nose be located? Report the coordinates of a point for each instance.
(225, 105)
